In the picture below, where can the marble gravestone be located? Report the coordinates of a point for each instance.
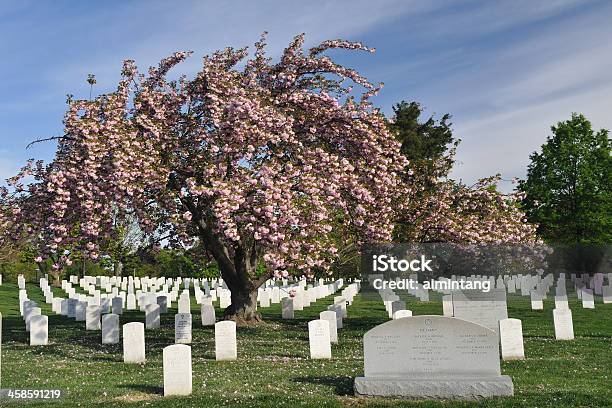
(485, 308)
(432, 357)
(331, 318)
(110, 329)
(162, 301)
(81, 311)
(319, 339)
(225, 341)
(152, 318)
(511, 336)
(117, 305)
(396, 306)
(287, 308)
(131, 301)
(39, 330)
(182, 328)
(184, 304)
(536, 301)
(177, 370)
(588, 301)
(561, 302)
(402, 313)
(92, 318)
(564, 326)
(134, 343)
(208, 315)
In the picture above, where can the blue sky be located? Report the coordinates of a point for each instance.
(505, 70)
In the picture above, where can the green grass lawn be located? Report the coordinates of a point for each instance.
(273, 367)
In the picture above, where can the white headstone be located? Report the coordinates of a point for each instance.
(561, 302)
(162, 301)
(402, 313)
(92, 318)
(511, 336)
(208, 315)
(39, 330)
(536, 301)
(564, 326)
(117, 305)
(134, 343)
(110, 329)
(588, 301)
(182, 328)
(184, 304)
(177, 370)
(287, 308)
(319, 339)
(152, 318)
(225, 341)
(131, 301)
(607, 294)
(331, 318)
(485, 308)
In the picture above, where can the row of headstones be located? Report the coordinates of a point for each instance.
(36, 323)
(324, 331)
(109, 323)
(297, 300)
(270, 293)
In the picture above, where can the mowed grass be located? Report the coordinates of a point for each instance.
(273, 367)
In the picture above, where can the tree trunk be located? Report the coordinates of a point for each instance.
(243, 309)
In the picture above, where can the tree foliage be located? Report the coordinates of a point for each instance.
(568, 189)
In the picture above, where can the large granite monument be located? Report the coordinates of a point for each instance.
(432, 357)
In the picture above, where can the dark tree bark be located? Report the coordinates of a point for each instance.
(238, 266)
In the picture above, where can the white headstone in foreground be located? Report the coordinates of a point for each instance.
(110, 329)
(511, 335)
(182, 328)
(177, 370)
(225, 341)
(134, 343)
(39, 330)
(432, 357)
(564, 326)
(318, 336)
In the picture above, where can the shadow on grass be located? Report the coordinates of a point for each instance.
(147, 389)
(343, 386)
